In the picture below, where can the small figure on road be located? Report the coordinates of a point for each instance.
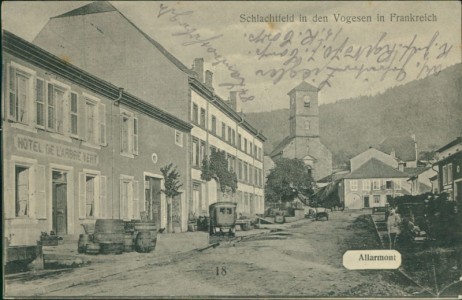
(393, 226)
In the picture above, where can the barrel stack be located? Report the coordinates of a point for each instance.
(146, 236)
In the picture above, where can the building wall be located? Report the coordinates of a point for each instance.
(250, 194)
(108, 46)
(31, 154)
(450, 173)
(365, 156)
(355, 197)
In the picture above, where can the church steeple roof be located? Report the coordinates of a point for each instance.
(304, 86)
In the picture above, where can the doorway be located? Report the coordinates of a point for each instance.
(366, 201)
(59, 202)
(153, 200)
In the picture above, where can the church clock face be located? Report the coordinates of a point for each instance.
(307, 101)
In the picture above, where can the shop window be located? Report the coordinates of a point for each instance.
(22, 191)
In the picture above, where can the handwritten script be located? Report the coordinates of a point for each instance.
(319, 55)
(194, 37)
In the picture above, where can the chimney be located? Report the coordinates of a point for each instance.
(198, 67)
(232, 99)
(209, 79)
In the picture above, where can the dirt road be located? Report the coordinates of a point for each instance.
(304, 260)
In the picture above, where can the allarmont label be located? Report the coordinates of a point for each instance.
(371, 259)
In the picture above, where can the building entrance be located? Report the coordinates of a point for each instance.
(59, 205)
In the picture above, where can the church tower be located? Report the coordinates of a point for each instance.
(304, 111)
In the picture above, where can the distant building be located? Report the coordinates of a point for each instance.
(77, 148)
(114, 48)
(372, 185)
(304, 140)
(449, 166)
(421, 181)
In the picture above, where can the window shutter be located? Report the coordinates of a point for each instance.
(82, 198)
(136, 202)
(50, 117)
(102, 123)
(135, 135)
(102, 197)
(10, 192)
(81, 118)
(122, 203)
(40, 195)
(66, 114)
(129, 214)
(12, 100)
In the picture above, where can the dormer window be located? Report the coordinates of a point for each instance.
(307, 101)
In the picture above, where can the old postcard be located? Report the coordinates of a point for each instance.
(268, 149)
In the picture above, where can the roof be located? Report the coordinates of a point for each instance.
(332, 177)
(458, 140)
(105, 6)
(415, 171)
(304, 86)
(404, 147)
(35, 55)
(92, 8)
(374, 168)
(281, 146)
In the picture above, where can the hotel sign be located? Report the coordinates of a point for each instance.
(50, 149)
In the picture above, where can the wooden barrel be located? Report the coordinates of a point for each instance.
(128, 242)
(84, 240)
(92, 248)
(111, 248)
(145, 226)
(109, 231)
(145, 242)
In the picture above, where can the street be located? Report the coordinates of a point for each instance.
(303, 260)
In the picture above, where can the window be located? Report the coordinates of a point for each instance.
(22, 191)
(55, 112)
(73, 114)
(255, 150)
(255, 180)
(307, 125)
(179, 138)
(306, 101)
(90, 196)
(397, 183)
(388, 185)
(354, 185)
(229, 134)
(377, 199)
(239, 169)
(214, 124)
(251, 174)
(202, 153)
(203, 117)
(40, 102)
(195, 113)
(250, 148)
(246, 172)
(196, 198)
(102, 128)
(90, 136)
(19, 95)
(245, 145)
(129, 198)
(233, 137)
(195, 152)
(239, 141)
(223, 131)
(366, 185)
(449, 176)
(376, 184)
(129, 133)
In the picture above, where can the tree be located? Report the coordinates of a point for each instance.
(288, 179)
(215, 167)
(172, 187)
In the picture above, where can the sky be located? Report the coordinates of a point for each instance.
(359, 48)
